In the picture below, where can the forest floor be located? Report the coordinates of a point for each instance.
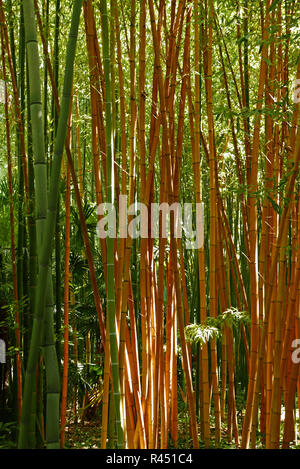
(87, 435)
(83, 436)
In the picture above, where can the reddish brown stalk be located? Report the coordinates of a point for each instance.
(16, 100)
(173, 246)
(12, 236)
(253, 265)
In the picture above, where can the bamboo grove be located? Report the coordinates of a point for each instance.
(161, 101)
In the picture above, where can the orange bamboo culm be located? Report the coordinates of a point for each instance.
(213, 218)
(94, 80)
(204, 376)
(6, 47)
(253, 247)
(173, 247)
(13, 249)
(80, 172)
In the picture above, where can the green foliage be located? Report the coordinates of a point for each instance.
(201, 333)
(212, 329)
(7, 435)
(233, 317)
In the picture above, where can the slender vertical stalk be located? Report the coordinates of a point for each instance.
(110, 241)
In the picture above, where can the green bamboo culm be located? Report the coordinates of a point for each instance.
(28, 417)
(49, 353)
(45, 233)
(109, 239)
(52, 371)
(52, 374)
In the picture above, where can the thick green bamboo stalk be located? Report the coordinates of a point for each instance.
(110, 240)
(26, 436)
(52, 371)
(39, 152)
(51, 358)
(54, 117)
(48, 231)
